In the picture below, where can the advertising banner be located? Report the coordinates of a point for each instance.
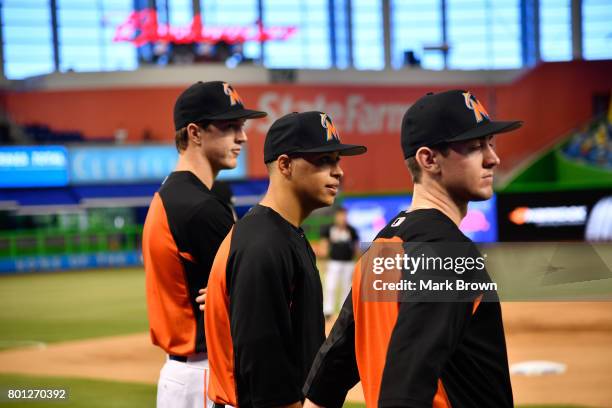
(33, 166)
(130, 164)
(556, 216)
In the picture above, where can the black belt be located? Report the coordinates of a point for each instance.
(219, 405)
(181, 359)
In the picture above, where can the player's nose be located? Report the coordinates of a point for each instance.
(337, 171)
(491, 159)
(241, 136)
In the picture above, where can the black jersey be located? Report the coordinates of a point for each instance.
(342, 242)
(415, 354)
(264, 314)
(184, 227)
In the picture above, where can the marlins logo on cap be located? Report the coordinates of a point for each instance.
(328, 125)
(306, 132)
(474, 104)
(443, 117)
(232, 93)
(209, 101)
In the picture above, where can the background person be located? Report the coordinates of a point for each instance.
(340, 242)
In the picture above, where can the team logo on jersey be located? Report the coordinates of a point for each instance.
(332, 132)
(232, 93)
(474, 104)
(398, 221)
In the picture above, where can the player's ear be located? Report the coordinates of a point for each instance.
(428, 160)
(194, 134)
(284, 165)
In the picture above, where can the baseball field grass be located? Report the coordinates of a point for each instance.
(53, 307)
(57, 307)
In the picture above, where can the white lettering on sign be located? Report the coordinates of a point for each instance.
(48, 159)
(550, 216)
(14, 159)
(354, 114)
(34, 158)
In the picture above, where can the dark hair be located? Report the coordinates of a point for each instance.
(181, 137)
(413, 165)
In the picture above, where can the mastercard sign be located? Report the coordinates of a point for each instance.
(549, 216)
(554, 216)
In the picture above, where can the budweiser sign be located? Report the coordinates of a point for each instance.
(142, 27)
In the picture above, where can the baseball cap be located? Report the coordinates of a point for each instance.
(449, 116)
(214, 100)
(306, 132)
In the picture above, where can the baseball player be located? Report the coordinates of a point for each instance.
(426, 353)
(184, 227)
(340, 242)
(264, 317)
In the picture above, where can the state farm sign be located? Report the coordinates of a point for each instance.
(353, 113)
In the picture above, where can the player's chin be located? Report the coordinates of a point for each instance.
(229, 163)
(483, 194)
(326, 199)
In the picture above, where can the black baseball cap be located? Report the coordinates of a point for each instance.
(306, 132)
(214, 100)
(449, 116)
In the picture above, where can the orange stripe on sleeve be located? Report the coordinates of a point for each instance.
(374, 323)
(222, 385)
